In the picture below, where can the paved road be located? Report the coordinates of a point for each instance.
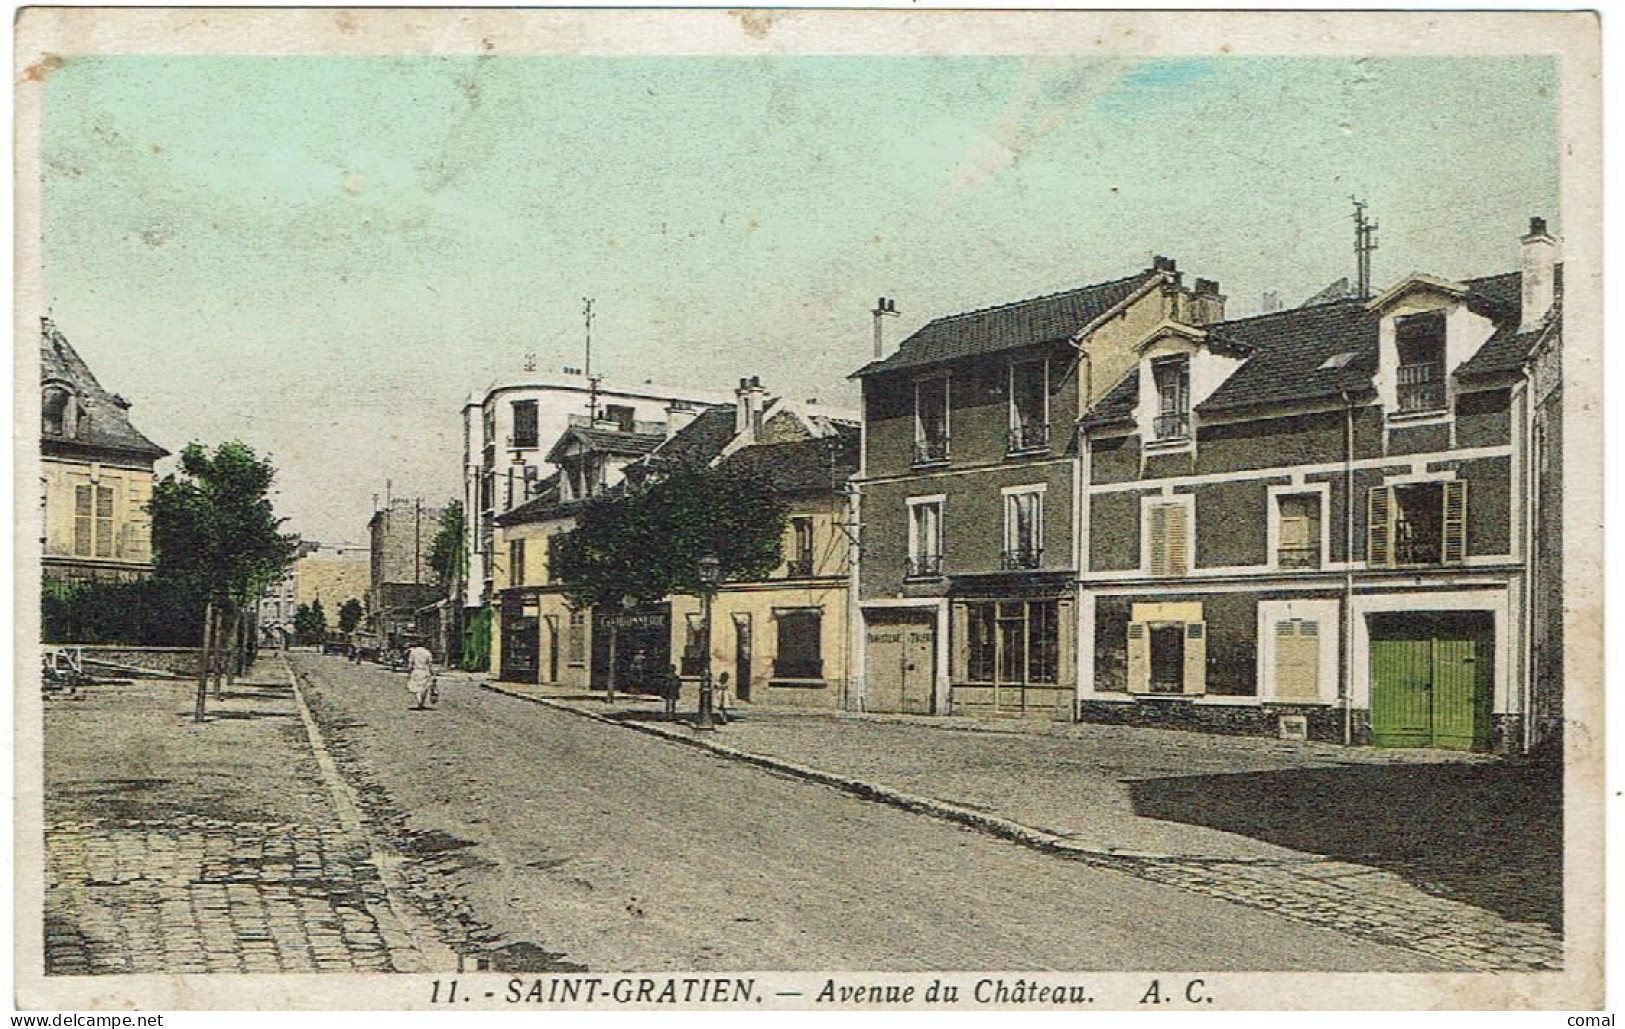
(609, 849)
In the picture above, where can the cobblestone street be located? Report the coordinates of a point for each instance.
(177, 847)
(208, 896)
(1123, 798)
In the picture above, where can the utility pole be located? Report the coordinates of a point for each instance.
(1365, 241)
(592, 380)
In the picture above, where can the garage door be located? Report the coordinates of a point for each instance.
(1431, 680)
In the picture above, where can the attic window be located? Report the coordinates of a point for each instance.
(1337, 361)
(1421, 380)
(59, 412)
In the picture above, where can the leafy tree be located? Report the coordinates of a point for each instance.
(645, 544)
(309, 624)
(350, 613)
(216, 537)
(446, 554)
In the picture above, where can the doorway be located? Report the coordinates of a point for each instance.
(742, 655)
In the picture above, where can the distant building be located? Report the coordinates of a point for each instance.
(333, 574)
(96, 472)
(510, 427)
(401, 579)
(782, 639)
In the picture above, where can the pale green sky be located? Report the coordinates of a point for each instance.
(322, 256)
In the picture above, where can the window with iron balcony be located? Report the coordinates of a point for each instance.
(931, 421)
(1172, 376)
(1023, 529)
(800, 563)
(1420, 377)
(1029, 407)
(924, 537)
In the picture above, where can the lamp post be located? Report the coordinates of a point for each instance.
(708, 568)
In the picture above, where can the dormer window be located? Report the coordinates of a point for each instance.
(1172, 376)
(1419, 339)
(931, 420)
(59, 412)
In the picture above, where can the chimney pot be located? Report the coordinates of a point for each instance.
(1538, 274)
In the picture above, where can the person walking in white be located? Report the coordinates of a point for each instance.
(420, 675)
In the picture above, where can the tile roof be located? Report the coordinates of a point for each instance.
(802, 466)
(1044, 319)
(107, 424)
(1292, 351)
(614, 441)
(699, 442)
(1506, 350)
(545, 506)
(1296, 352)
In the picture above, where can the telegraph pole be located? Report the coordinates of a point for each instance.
(1365, 241)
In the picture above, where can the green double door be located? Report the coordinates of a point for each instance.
(1432, 680)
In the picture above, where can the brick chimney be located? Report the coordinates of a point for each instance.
(679, 413)
(1205, 305)
(1539, 268)
(749, 401)
(885, 308)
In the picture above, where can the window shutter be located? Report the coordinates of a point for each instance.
(1195, 657)
(1159, 539)
(1297, 660)
(1139, 658)
(1455, 522)
(83, 520)
(1177, 530)
(1379, 530)
(104, 521)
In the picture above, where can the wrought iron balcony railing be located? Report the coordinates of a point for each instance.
(1421, 387)
(931, 450)
(1022, 558)
(1173, 426)
(1298, 557)
(799, 567)
(924, 565)
(1029, 437)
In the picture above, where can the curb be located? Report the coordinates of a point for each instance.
(992, 825)
(406, 932)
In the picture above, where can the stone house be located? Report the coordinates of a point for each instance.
(782, 639)
(96, 473)
(1339, 521)
(967, 579)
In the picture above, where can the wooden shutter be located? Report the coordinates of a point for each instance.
(83, 519)
(1379, 527)
(1139, 657)
(1297, 659)
(1195, 657)
(1178, 532)
(1455, 522)
(1159, 539)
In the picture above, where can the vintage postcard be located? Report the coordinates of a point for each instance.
(786, 509)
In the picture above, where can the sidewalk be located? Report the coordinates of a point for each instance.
(1456, 855)
(175, 847)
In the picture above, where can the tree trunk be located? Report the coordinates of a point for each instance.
(204, 660)
(216, 666)
(234, 658)
(609, 681)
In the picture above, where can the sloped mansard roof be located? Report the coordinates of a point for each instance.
(106, 425)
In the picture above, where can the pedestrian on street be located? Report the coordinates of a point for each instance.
(671, 685)
(420, 676)
(724, 701)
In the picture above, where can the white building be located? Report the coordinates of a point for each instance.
(509, 428)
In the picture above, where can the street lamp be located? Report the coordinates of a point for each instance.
(709, 569)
